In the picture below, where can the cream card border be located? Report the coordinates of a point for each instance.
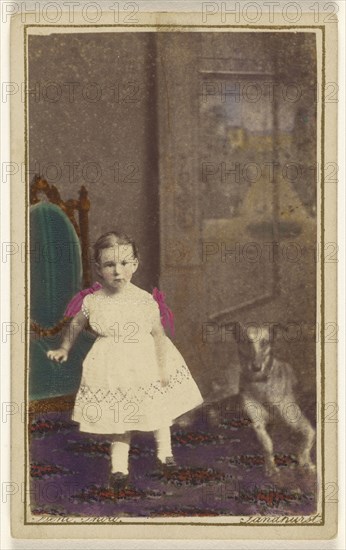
(323, 524)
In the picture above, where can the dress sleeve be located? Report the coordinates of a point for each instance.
(86, 306)
(154, 311)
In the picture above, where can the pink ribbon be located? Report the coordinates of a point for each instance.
(166, 315)
(75, 305)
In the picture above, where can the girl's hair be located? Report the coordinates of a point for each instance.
(108, 240)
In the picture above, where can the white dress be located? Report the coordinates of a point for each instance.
(120, 388)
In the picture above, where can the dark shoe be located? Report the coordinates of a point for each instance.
(118, 482)
(168, 464)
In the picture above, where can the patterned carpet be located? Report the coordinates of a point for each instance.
(219, 472)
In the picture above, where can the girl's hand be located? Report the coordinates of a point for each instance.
(59, 355)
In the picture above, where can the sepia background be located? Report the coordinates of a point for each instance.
(197, 144)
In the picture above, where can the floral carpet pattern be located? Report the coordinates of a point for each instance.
(219, 472)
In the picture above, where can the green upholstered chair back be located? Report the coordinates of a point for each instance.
(56, 275)
(55, 263)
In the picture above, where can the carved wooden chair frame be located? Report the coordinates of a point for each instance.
(82, 205)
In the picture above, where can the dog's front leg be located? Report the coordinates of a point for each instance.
(259, 418)
(303, 427)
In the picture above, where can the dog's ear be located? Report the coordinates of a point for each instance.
(235, 328)
(240, 331)
(253, 332)
(274, 330)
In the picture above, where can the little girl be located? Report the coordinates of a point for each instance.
(133, 378)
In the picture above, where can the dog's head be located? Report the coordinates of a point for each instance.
(255, 348)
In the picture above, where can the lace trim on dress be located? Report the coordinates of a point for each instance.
(125, 298)
(85, 311)
(87, 395)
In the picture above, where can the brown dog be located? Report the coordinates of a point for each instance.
(267, 385)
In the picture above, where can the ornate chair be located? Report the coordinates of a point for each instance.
(59, 267)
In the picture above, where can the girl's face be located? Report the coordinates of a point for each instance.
(116, 266)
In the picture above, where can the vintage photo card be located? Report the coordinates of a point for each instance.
(173, 181)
